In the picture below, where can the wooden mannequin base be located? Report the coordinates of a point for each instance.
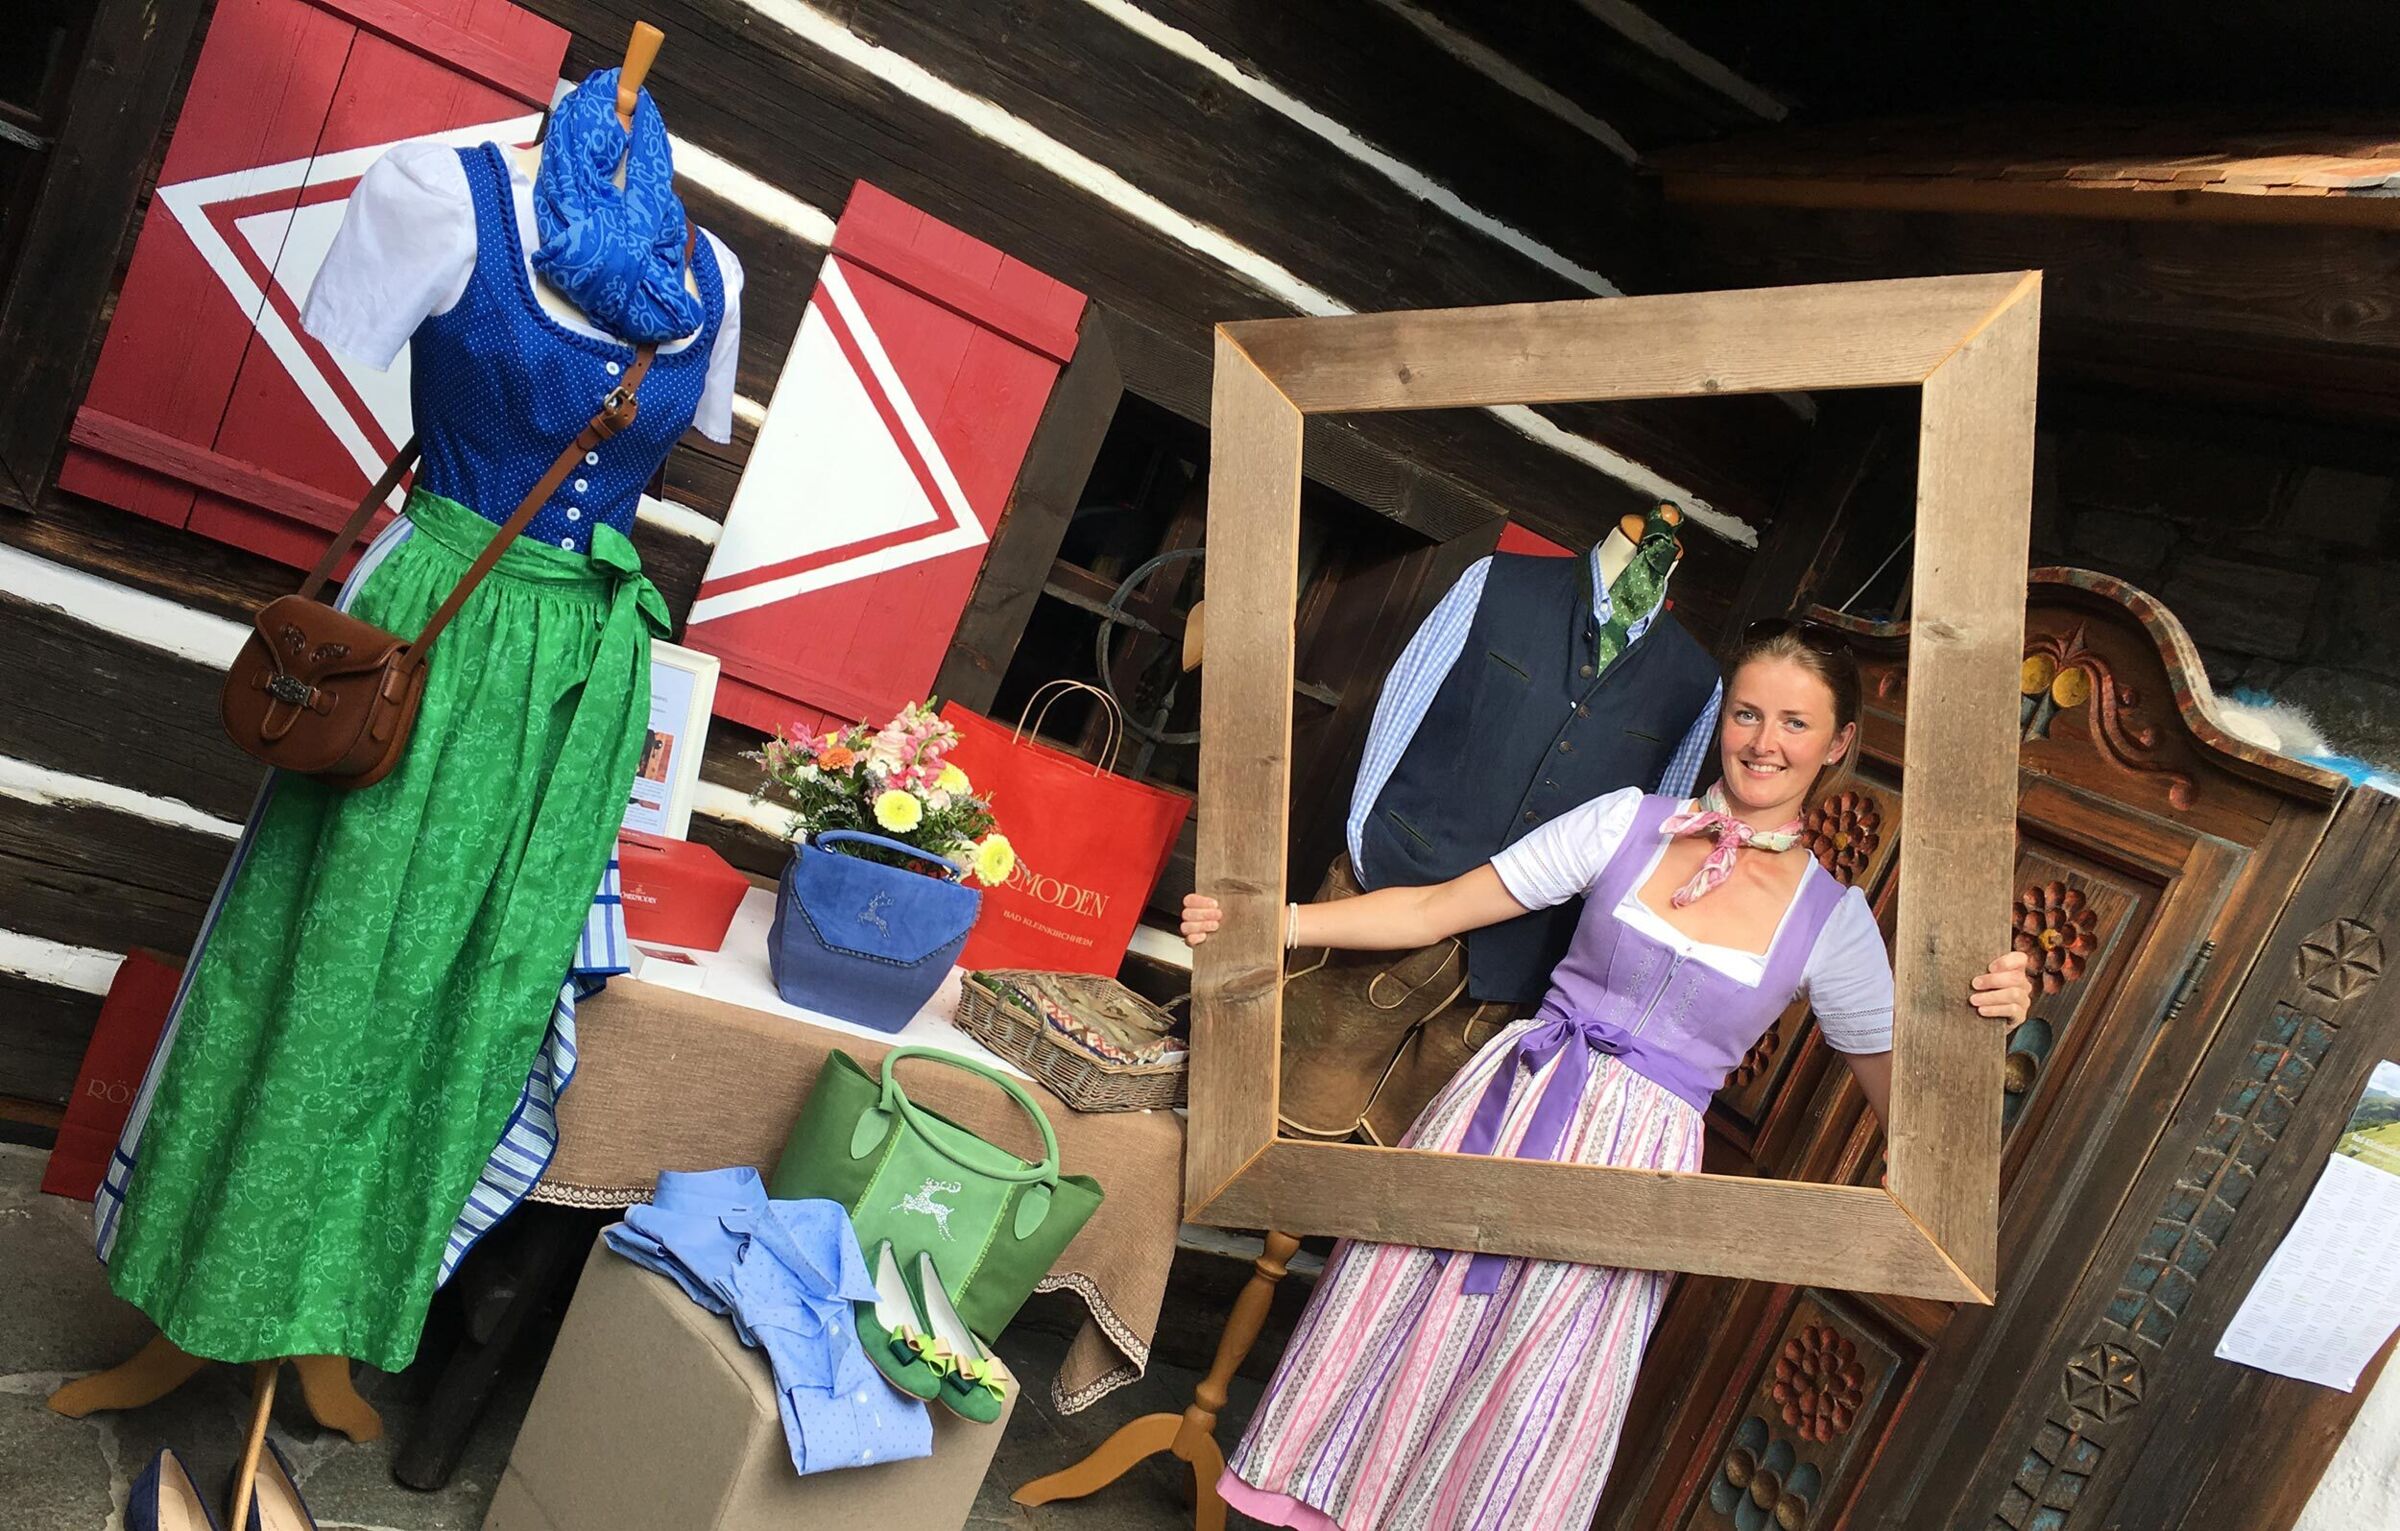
(1192, 1435)
(161, 1366)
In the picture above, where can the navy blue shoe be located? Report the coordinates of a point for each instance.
(164, 1499)
(275, 1502)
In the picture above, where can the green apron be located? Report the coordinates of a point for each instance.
(361, 1016)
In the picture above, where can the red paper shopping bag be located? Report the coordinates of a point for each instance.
(131, 1019)
(1090, 845)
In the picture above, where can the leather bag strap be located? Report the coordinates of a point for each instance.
(617, 411)
(402, 461)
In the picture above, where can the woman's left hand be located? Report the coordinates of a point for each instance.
(2003, 992)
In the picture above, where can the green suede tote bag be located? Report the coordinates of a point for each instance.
(993, 1223)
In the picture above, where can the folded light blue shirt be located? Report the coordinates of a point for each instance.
(785, 1273)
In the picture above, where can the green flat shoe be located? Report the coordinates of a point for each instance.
(892, 1334)
(973, 1385)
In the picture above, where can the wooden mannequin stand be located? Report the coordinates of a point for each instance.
(161, 1366)
(1191, 1435)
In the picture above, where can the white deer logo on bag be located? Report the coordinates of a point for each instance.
(921, 1201)
(873, 913)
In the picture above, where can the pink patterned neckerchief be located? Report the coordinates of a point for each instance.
(1713, 818)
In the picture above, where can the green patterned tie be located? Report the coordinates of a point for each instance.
(1635, 592)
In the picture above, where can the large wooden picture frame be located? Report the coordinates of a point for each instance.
(1969, 343)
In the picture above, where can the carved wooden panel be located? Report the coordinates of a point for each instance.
(1854, 834)
(2107, 1377)
(2076, 921)
(2148, 844)
(1816, 1401)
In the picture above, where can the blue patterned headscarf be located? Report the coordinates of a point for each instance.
(617, 255)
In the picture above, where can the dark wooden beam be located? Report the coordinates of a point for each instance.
(91, 876)
(95, 704)
(2296, 321)
(1399, 86)
(2037, 199)
(133, 65)
(43, 1032)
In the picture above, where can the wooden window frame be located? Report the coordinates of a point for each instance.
(1969, 343)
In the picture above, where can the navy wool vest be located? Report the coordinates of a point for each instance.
(1526, 726)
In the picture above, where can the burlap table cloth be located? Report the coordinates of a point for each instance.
(667, 1080)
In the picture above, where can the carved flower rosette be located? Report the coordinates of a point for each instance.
(1819, 1383)
(2055, 929)
(1843, 832)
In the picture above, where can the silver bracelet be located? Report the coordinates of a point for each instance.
(1291, 927)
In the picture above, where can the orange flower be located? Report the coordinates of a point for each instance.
(838, 757)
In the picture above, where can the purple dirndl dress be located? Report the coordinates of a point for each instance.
(1432, 1390)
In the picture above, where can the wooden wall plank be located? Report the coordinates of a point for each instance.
(1168, 126)
(2295, 318)
(1400, 88)
(1570, 47)
(100, 705)
(777, 106)
(90, 876)
(134, 62)
(43, 1032)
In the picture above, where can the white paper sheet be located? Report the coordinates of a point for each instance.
(2330, 1295)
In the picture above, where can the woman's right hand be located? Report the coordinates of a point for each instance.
(1201, 917)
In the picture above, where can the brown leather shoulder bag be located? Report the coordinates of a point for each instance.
(317, 691)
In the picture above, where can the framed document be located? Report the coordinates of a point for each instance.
(683, 686)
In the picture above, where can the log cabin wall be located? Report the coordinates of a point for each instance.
(1181, 161)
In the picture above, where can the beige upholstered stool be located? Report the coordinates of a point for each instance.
(653, 1415)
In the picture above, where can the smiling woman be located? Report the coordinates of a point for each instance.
(1698, 929)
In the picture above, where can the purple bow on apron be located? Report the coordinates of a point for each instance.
(1572, 1039)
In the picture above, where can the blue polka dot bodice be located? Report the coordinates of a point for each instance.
(499, 387)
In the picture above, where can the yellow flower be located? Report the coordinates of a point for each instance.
(995, 858)
(952, 780)
(898, 811)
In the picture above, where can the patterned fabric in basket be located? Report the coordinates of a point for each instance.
(1104, 1019)
(1096, 1044)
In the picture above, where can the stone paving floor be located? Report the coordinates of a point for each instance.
(59, 1321)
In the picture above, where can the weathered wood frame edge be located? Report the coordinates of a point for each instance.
(1969, 343)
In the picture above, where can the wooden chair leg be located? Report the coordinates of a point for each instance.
(153, 1371)
(245, 1477)
(1190, 1436)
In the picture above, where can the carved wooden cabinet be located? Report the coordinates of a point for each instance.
(2206, 921)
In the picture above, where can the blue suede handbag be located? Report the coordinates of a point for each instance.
(863, 941)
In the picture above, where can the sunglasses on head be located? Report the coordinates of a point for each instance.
(1814, 635)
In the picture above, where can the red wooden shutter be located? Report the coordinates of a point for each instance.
(901, 417)
(210, 408)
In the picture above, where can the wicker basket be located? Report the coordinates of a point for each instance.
(1084, 1082)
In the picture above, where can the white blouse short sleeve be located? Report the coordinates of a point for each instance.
(715, 417)
(1562, 859)
(1849, 979)
(405, 251)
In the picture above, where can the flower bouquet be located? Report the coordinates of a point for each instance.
(874, 905)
